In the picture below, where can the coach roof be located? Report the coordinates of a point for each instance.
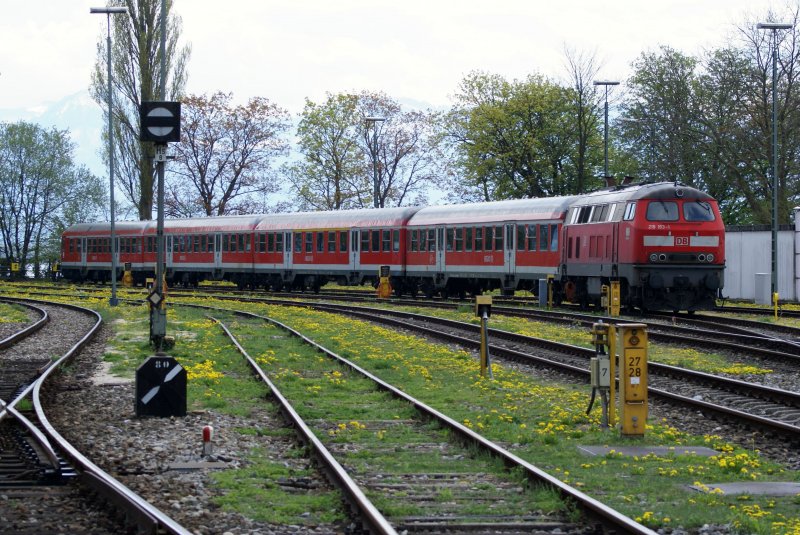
(338, 219)
(547, 208)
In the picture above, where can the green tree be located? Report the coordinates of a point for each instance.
(223, 162)
(406, 148)
(513, 139)
(582, 69)
(331, 173)
(136, 77)
(42, 191)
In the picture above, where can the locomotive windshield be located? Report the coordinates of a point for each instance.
(662, 211)
(697, 211)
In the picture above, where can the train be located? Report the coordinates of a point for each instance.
(664, 242)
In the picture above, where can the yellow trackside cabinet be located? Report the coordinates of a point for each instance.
(633, 377)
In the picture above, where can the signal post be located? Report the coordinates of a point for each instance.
(160, 124)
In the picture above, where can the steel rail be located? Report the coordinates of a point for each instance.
(781, 428)
(145, 515)
(30, 329)
(611, 518)
(375, 522)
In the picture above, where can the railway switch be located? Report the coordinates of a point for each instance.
(483, 309)
(633, 377)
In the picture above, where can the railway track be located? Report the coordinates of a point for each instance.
(355, 469)
(771, 410)
(45, 478)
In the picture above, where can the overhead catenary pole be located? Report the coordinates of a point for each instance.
(108, 11)
(605, 83)
(774, 26)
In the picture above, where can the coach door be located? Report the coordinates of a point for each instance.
(440, 249)
(510, 258)
(355, 265)
(287, 251)
(217, 251)
(168, 252)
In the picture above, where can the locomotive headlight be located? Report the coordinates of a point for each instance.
(710, 257)
(701, 257)
(653, 257)
(662, 257)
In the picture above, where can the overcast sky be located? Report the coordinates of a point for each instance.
(412, 50)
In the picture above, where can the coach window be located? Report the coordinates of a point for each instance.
(309, 241)
(342, 241)
(320, 242)
(298, 242)
(630, 211)
(196, 244)
(364, 240)
(331, 242)
(225, 242)
(498, 238)
(489, 239)
(387, 241)
(431, 239)
(553, 238)
(396, 240)
(532, 241)
(662, 211)
(459, 240)
(412, 237)
(522, 230)
(423, 240)
(450, 239)
(375, 241)
(468, 239)
(697, 211)
(279, 242)
(544, 237)
(479, 239)
(271, 242)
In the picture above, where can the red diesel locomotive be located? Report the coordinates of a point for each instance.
(664, 242)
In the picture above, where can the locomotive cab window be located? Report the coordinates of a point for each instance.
(662, 211)
(697, 211)
(630, 212)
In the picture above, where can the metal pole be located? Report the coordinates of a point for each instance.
(774, 163)
(158, 314)
(605, 137)
(375, 191)
(113, 301)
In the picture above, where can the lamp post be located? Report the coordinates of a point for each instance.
(108, 11)
(605, 83)
(774, 26)
(374, 152)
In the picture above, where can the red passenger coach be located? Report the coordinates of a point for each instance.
(86, 250)
(205, 248)
(306, 250)
(475, 247)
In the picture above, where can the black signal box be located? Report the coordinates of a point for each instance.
(160, 387)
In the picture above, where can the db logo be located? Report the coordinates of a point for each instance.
(682, 240)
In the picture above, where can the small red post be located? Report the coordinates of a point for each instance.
(208, 434)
